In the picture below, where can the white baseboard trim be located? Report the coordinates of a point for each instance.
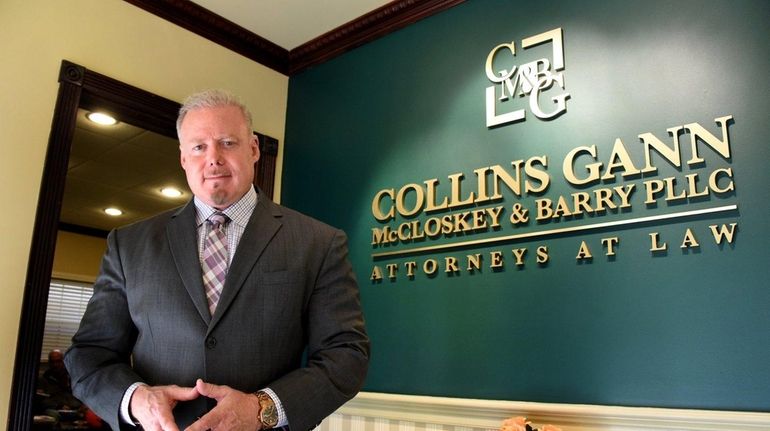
(393, 412)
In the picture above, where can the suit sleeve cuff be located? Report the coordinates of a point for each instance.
(282, 421)
(125, 404)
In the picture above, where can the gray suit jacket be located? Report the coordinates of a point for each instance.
(289, 317)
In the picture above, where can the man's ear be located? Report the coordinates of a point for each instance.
(255, 142)
(182, 158)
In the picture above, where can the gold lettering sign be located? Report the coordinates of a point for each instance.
(441, 215)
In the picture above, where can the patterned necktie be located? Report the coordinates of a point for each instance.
(214, 262)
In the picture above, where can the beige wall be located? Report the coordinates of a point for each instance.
(78, 257)
(119, 40)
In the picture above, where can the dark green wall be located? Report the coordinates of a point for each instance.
(684, 328)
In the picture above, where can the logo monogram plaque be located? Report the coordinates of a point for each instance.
(528, 79)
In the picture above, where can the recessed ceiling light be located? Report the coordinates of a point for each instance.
(170, 192)
(113, 212)
(100, 118)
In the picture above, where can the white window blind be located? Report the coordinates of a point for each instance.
(67, 301)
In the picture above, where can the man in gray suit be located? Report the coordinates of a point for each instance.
(280, 341)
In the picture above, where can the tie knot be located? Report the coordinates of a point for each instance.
(217, 220)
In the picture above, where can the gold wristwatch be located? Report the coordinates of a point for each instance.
(268, 414)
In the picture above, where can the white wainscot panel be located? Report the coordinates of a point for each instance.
(392, 412)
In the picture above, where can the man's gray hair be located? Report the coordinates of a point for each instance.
(212, 99)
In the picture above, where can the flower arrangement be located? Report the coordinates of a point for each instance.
(520, 423)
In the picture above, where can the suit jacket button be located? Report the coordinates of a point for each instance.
(211, 342)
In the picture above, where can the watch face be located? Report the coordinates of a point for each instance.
(268, 414)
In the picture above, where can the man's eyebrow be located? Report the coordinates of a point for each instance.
(231, 137)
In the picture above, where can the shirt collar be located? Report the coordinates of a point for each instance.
(239, 212)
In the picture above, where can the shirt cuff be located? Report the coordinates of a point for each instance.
(125, 404)
(282, 421)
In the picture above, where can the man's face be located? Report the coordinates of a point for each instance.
(218, 152)
(56, 360)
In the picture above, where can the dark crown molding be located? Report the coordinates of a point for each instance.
(380, 22)
(203, 22)
(375, 24)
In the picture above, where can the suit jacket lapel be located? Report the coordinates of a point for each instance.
(183, 241)
(262, 227)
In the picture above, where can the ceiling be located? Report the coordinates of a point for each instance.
(290, 23)
(119, 166)
(125, 167)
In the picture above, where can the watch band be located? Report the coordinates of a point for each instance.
(268, 414)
